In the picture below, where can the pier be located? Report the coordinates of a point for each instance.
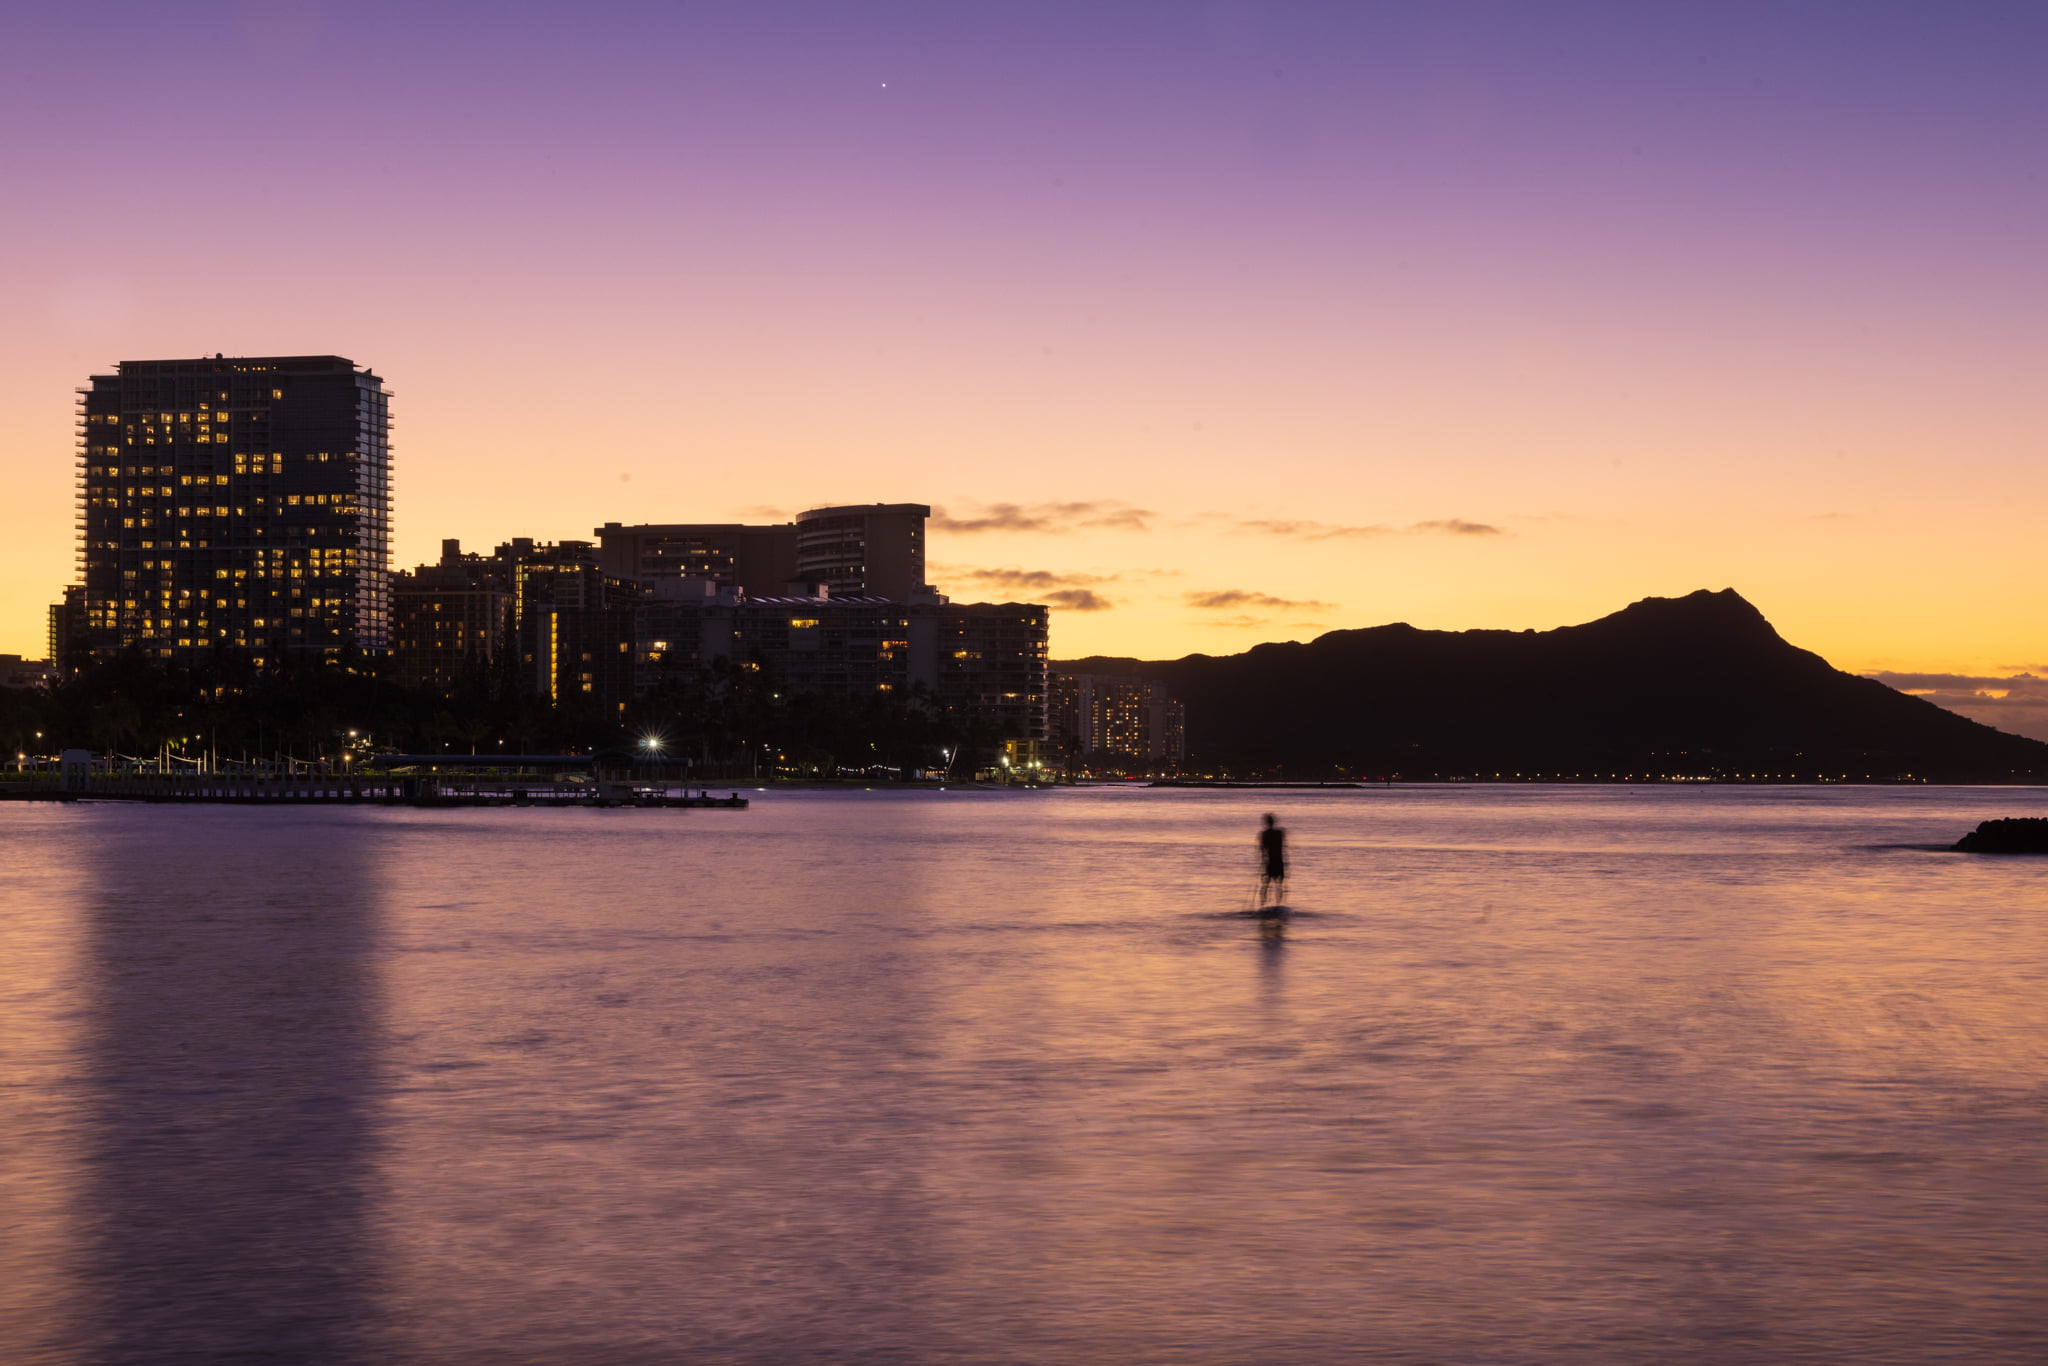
(396, 780)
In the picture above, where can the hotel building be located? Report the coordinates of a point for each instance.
(873, 550)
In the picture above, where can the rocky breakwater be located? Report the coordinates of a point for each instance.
(2017, 835)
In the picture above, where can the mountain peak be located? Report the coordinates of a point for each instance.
(1703, 614)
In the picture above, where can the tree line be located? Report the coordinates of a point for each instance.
(729, 719)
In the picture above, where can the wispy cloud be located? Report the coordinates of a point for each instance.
(1332, 531)
(1224, 599)
(1072, 591)
(1047, 518)
(1453, 526)
(1012, 580)
(1313, 531)
(2018, 704)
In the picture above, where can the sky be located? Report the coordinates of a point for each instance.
(1208, 323)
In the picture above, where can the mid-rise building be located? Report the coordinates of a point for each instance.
(452, 621)
(987, 660)
(239, 502)
(67, 627)
(16, 672)
(575, 621)
(759, 560)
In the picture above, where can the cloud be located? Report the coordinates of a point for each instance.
(1074, 592)
(1330, 531)
(1455, 526)
(1031, 580)
(1047, 518)
(1314, 531)
(2018, 704)
(1224, 598)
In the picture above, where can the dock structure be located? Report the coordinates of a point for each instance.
(441, 780)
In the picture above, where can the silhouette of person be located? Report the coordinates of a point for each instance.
(1272, 864)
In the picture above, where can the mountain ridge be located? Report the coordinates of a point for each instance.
(1697, 686)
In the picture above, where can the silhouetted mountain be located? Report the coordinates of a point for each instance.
(1694, 686)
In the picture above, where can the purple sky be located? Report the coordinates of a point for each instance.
(1672, 296)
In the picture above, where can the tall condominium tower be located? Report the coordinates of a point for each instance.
(235, 501)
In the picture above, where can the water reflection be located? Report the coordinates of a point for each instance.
(711, 1103)
(226, 1110)
(1549, 1077)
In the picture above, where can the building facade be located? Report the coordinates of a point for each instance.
(991, 662)
(650, 605)
(452, 621)
(67, 627)
(873, 550)
(1131, 721)
(239, 502)
(987, 660)
(16, 672)
(759, 560)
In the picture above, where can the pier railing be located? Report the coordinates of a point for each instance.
(74, 782)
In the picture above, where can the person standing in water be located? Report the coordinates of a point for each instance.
(1272, 864)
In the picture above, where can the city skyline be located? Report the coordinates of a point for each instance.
(1207, 325)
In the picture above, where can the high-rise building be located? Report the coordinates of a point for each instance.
(873, 550)
(992, 662)
(1110, 716)
(240, 502)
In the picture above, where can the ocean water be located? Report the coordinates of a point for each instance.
(1532, 1074)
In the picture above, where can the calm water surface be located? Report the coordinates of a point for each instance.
(1535, 1075)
